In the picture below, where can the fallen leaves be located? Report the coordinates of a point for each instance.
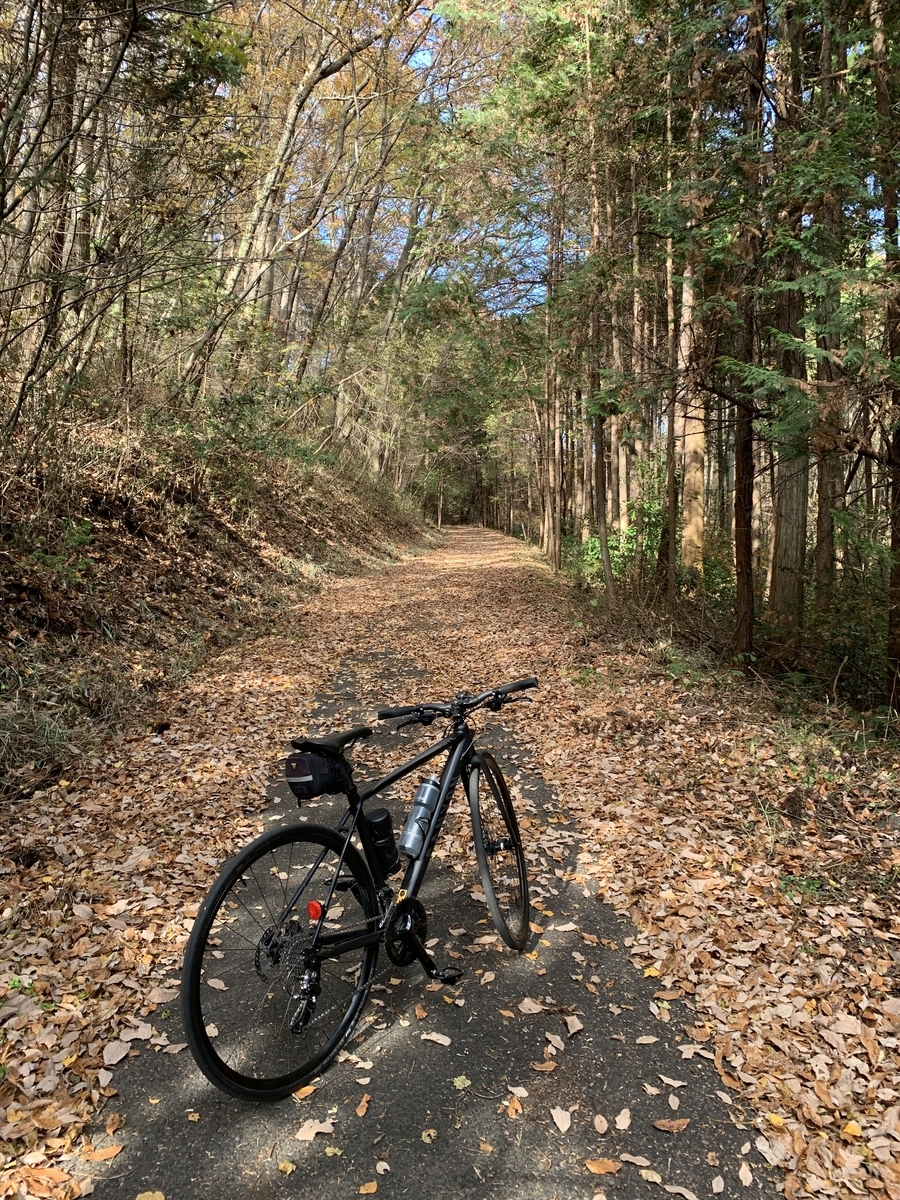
(287, 1166)
(310, 1128)
(700, 875)
(363, 1107)
(429, 1136)
(103, 1155)
(675, 1125)
(440, 1039)
(602, 1166)
(530, 1006)
(461, 1082)
(600, 1123)
(623, 1120)
(369, 1189)
(562, 1119)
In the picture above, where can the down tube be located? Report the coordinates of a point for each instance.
(415, 872)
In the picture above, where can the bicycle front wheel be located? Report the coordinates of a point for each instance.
(498, 849)
(264, 1007)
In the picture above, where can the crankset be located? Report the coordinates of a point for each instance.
(408, 917)
(404, 940)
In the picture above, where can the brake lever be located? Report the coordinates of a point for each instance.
(424, 719)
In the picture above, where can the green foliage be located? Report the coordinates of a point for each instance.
(182, 58)
(58, 556)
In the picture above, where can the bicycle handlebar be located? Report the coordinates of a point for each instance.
(462, 703)
(518, 685)
(405, 710)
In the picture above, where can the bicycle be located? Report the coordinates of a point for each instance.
(283, 949)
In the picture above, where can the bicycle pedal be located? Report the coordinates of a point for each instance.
(449, 975)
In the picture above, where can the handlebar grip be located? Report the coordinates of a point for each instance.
(518, 685)
(387, 714)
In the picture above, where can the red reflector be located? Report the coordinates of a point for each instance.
(314, 908)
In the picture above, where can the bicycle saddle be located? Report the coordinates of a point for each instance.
(334, 743)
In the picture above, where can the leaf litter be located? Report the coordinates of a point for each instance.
(771, 929)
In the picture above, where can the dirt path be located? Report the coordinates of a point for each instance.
(708, 1013)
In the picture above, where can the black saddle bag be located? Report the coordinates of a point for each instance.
(309, 775)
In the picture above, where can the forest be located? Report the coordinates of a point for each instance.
(357, 352)
(618, 277)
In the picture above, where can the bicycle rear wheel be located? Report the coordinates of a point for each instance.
(498, 849)
(263, 1011)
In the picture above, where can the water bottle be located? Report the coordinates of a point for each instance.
(424, 801)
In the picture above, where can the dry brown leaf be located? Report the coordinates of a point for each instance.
(718, 1185)
(514, 1108)
(429, 1136)
(562, 1119)
(114, 1122)
(115, 1052)
(745, 1175)
(103, 1155)
(600, 1123)
(530, 1006)
(310, 1128)
(602, 1166)
(544, 1066)
(368, 1189)
(363, 1107)
(382, 1167)
(440, 1038)
(623, 1120)
(421, 1012)
(636, 1159)
(675, 1125)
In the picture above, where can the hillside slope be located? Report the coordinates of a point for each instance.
(118, 586)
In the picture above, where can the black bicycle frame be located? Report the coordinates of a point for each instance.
(460, 743)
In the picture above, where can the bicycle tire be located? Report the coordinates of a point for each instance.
(498, 850)
(252, 1018)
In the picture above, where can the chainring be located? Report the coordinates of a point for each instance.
(398, 949)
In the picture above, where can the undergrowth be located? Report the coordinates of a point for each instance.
(123, 566)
